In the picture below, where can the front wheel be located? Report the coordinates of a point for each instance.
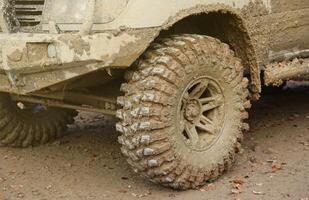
(183, 110)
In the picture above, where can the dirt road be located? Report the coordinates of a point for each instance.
(87, 164)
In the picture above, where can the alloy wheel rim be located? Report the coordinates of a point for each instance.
(201, 113)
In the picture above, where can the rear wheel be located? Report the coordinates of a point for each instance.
(183, 110)
(25, 124)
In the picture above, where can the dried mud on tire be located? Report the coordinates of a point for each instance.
(147, 119)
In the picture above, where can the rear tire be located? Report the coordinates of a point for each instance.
(23, 127)
(183, 110)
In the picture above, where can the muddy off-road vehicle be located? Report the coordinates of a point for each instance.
(179, 74)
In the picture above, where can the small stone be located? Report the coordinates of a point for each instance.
(20, 195)
(296, 115)
(145, 139)
(148, 152)
(152, 163)
(49, 187)
(35, 193)
(253, 159)
(235, 191)
(258, 192)
(168, 179)
(270, 151)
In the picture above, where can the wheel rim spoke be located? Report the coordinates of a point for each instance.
(192, 134)
(212, 105)
(210, 99)
(206, 120)
(199, 89)
(207, 128)
(209, 107)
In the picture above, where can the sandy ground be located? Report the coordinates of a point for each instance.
(87, 163)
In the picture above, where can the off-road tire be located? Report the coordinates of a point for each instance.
(22, 128)
(148, 116)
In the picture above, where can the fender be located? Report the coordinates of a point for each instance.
(170, 15)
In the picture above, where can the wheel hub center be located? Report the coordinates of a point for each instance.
(192, 110)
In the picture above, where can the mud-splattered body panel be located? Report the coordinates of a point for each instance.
(291, 24)
(273, 26)
(140, 13)
(282, 31)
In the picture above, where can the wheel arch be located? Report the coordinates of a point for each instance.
(224, 23)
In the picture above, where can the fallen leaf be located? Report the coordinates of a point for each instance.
(122, 191)
(275, 168)
(238, 181)
(271, 161)
(172, 195)
(211, 186)
(237, 186)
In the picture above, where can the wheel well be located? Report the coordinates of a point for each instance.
(228, 27)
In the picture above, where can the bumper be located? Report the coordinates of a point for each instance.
(30, 62)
